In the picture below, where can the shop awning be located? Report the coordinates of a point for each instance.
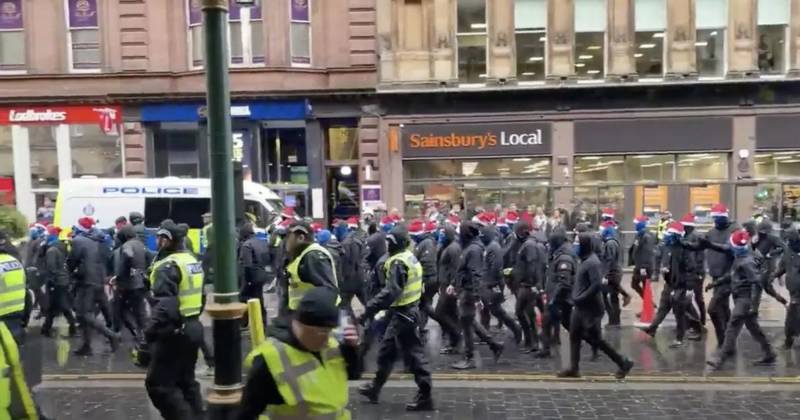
(255, 110)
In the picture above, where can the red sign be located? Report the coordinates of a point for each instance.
(107, 117)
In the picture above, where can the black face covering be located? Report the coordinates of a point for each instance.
(585, 248)
(793, 239)
(557, 238)
(522, 230)
(397, 240)
(688, 229)
(765, 228)
(750, 227)
(488, 233)
(468, 233)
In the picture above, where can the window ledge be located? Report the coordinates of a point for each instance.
(13, 72)
(85, 71)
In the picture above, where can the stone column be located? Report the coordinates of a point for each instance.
(742, 39)
(621, 41)
(794, 39)
(560, 63)
(680, 39)
(744, 138)
(563, 158)
(387, 40)
(502, 56)
(135, 150)
(444, 36)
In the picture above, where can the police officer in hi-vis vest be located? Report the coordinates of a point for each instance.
(15, 399)
(310, 265)
(400, 296)
(174, 332)
(301, 370)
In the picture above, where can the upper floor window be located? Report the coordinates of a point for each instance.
(300, 39)
(83, 36)
(590, 38)
(472, 37)
(773, 25)
(245, 34)
(530, 23)
(712, 20)
(12, 36)
(650, 22)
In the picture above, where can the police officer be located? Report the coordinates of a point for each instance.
(611, 258)
(560, 278)
(790, 266)
(491, 288)
(310, 264)
(354, 252)
(130, 274)
(278, 256)
(12, 292)
(253, 257)
(57, 280)
(174, 332)
(769, 247)
(15, 397)
(301, 370)
(425, 251)
(87, 262)
(471, 271)
(746, 289)
(676, 268)
(663, 225)
(588, 311)
(719, 267)
(401, 296)
(527, 271)
(643, 254)
(447, 305)
(34, 261)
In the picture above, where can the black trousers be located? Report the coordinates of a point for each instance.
(700, 300)
(792, 325)
(447, 316)
(470, 327)
(672, 300)
(584, 326)
(88, 300)
(719, 310)
(59, 305)
(637, 280)
(426, 311)
(253, 291)
(170, 380)
(611, 295)
(526, 314)
(558, 313)
(493, 298)
(743, 316)
(402, 337)
(130, 311)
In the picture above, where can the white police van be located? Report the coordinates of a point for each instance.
(179, 199)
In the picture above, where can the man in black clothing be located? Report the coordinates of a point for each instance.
(253, 255)
(56, 278)
(447, 305)
(642, 254)
(560, 279)
(693, 243)
(130, 276)
(491, 289)
(354, 252)
(307, 330)
(790, 266)
(527, 271)
(612, 265)
(587, 295)
(719, 267)
(471, 271)
(768, 248)
(746, 289)
(425, 251)
(400, 298)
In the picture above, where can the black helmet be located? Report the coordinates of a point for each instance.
(398, 239)
(558, 237)
(173, 231)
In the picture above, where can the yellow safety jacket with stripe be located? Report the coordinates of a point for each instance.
(15, 399)
(412, 292)
(297, 287)
(190, 289)
(310, 389)
(12, 285)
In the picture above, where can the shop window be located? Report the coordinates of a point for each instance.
(300, 32)
(778, 165)
(12, 37)
(472, 39)
(773, 24)
(342, 143)
(599, 169)
(590, 38)
(651, 22)
(791, 202)
(285, 150)
(429, 169)
(768, 198)
(711, 21)
(176, 154)
(95, 152)
(6, 166)
(530, 21)
(703, 167)
(650, 168)
(522, 167)
(83, 35)
(44, 156)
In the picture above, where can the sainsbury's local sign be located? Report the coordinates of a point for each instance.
(476, 139)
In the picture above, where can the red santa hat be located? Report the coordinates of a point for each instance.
(501, 222)
(641, 219)
(316, 227)
(85, 223)
(512, 217)
(352, 222)
(676, 228)
(387, 220)
(483, 219)
(396, 218)
(740, 238)
(719, 210)
(688, 219)
(431, 226)
(53, 230)
(453, 220)
(608, 213)
(416, 227)
(608, 224)
(288, 213)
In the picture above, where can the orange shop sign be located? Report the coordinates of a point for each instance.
(490, 139)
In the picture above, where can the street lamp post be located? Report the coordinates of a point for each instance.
(225, 310)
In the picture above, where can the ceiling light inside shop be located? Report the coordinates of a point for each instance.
(590, 158)
(503, 169)
(585, 57)
(528, 73)
(638, 55)
(482, 76)
(593, 72)
(647, 46)
(701, 44)
(781, 157)
(713, 33)
(580, 65)
(521, 159)
(658, 35)
(542, 38)
(615, 162)
(593, 47)
(346, 170)
(784, 153)
(478, 26)
(536, 59)
(467, 168)
(643, 156)
(790, 161)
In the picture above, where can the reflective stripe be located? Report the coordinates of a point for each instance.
(190, 288)
(297, 287)
(12, 285)
(291, 374)
(412, 291)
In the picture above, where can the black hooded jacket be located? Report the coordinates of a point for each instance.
(612, 256)
(790, 264)
(425, 252)
(770, 246)
(449, 255)
(471, 269)
(678, 265)
(720, 263)
(493, 258)
(88, 258)
(354, 253)
(587, 292)
(254, 257)
(336, 250)
(530, 263)
(55, 272)
(132, 260)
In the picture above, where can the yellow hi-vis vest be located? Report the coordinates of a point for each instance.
(190, 289)
(297, 287)
(661, 230)
(412, 292)
(12, 285)
(310, 389)
(12, 381)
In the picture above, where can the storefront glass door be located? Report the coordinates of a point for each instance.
(498, 195)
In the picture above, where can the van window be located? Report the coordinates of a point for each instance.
(180, 210)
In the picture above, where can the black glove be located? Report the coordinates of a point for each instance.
(709, 287)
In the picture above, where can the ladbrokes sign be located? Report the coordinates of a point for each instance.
(490, 139)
